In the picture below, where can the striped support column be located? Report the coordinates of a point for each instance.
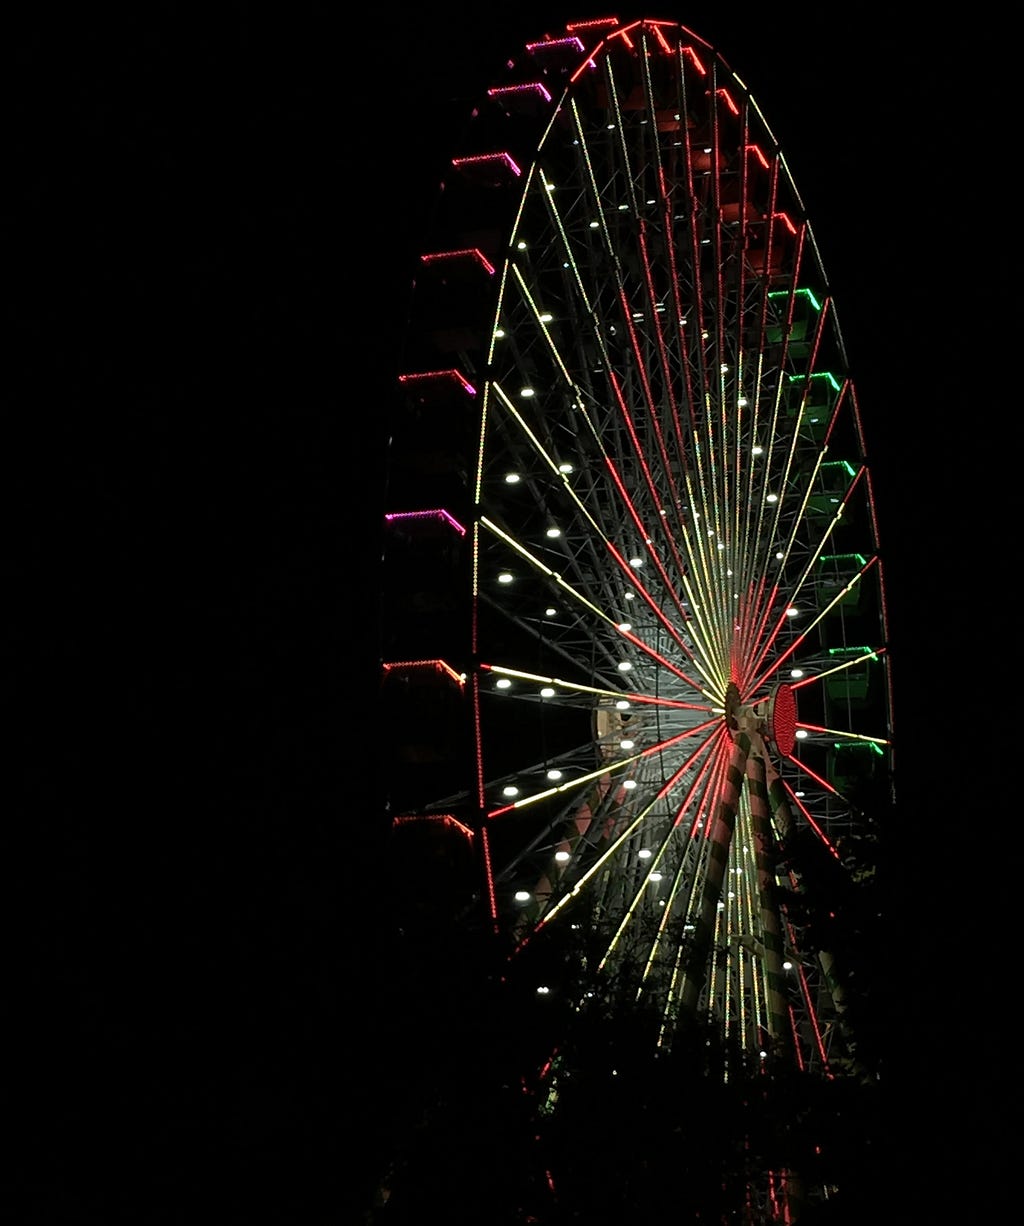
(778, 800)
(695, 972)
(771, 936)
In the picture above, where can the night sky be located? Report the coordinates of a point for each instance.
(219, 217)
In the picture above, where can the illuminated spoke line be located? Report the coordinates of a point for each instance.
(758, 497)
(715, 511)
(767, 402)
(750, 571)
(801, 638)
(582, 600)
(625, 165)
(655, 315)
(691, 851)
(811, 1011)
(553, 350)
(646, 531)
(607, 768)
(739, 943)
(844, 736)
(714, 795)
(798, 586)
(643, 529)
(568, 258)
(652, 316)
(651, 700)
(624, 835)
(641, 817)
(798, 518)
(628, 571)
(705, 600)
(711, 511)
(818, 779)
(786, 823)
(869, 654)
(702, 798)
(717, 836)
(753, 617)
(681, 313)
(657, 497)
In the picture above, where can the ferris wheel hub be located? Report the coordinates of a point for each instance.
(776, 716)
(733, 707)
(773, 718)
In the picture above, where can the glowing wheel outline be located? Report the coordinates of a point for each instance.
(674, 661)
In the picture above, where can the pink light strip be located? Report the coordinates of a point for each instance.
(439, 513)
(482, 158)
(570, 44)
(534, 87)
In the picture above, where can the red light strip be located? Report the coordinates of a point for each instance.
(650, 401)
(717, 730)
(777, 663)
(445, 819)
(676, 282)
(534, 87)
(634, 514)
(427, 375)
(812, 1014)
(821, 836)
(695, 60)
(666, 46)
(756, 152)
(752, 628)
(824, 783)
(711, 725)
(724, 93)
(438, 666)
(483, 158)
(655, 607)
(597, 23)
(763, 679)
(472, 253)
(755, 616)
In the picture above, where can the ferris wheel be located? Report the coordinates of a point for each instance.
(635, 631)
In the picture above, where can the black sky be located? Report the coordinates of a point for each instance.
(218, 216)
